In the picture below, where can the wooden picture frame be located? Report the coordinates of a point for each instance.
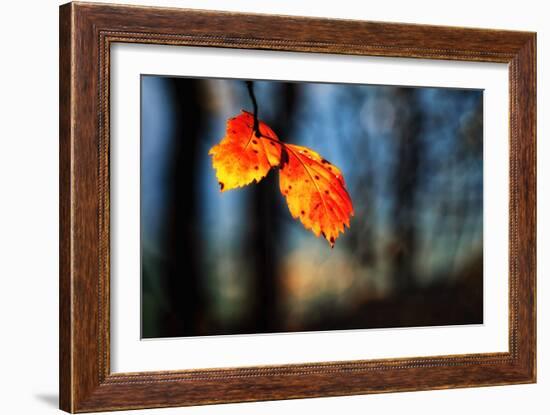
(86, 33)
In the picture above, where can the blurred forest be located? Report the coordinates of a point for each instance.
(237, 263)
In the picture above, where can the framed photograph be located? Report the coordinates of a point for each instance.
(258, 207)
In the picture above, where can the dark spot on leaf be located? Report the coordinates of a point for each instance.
(256, 167)
(284, 157)
(303, 213)
(255, 151)
(307, 180)
(254, 141)
(324, 234)
(221, 185)
(289, 187)
(325, 161)
(332, 240)
(316, 177)
(326, 192)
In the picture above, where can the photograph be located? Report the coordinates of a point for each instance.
(274, 206)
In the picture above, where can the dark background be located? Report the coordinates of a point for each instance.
(237, 262)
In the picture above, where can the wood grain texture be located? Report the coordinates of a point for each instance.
(86, 33)
(65, 138)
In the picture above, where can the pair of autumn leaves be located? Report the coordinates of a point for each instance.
(314, 188)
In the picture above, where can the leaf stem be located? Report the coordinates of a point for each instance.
(250, 87)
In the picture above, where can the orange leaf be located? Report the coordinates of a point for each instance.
(315, 192)
(242, 158)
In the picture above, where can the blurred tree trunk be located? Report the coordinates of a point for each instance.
(406, 182)
(361, 236)
(184, 281)
(264, 230)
